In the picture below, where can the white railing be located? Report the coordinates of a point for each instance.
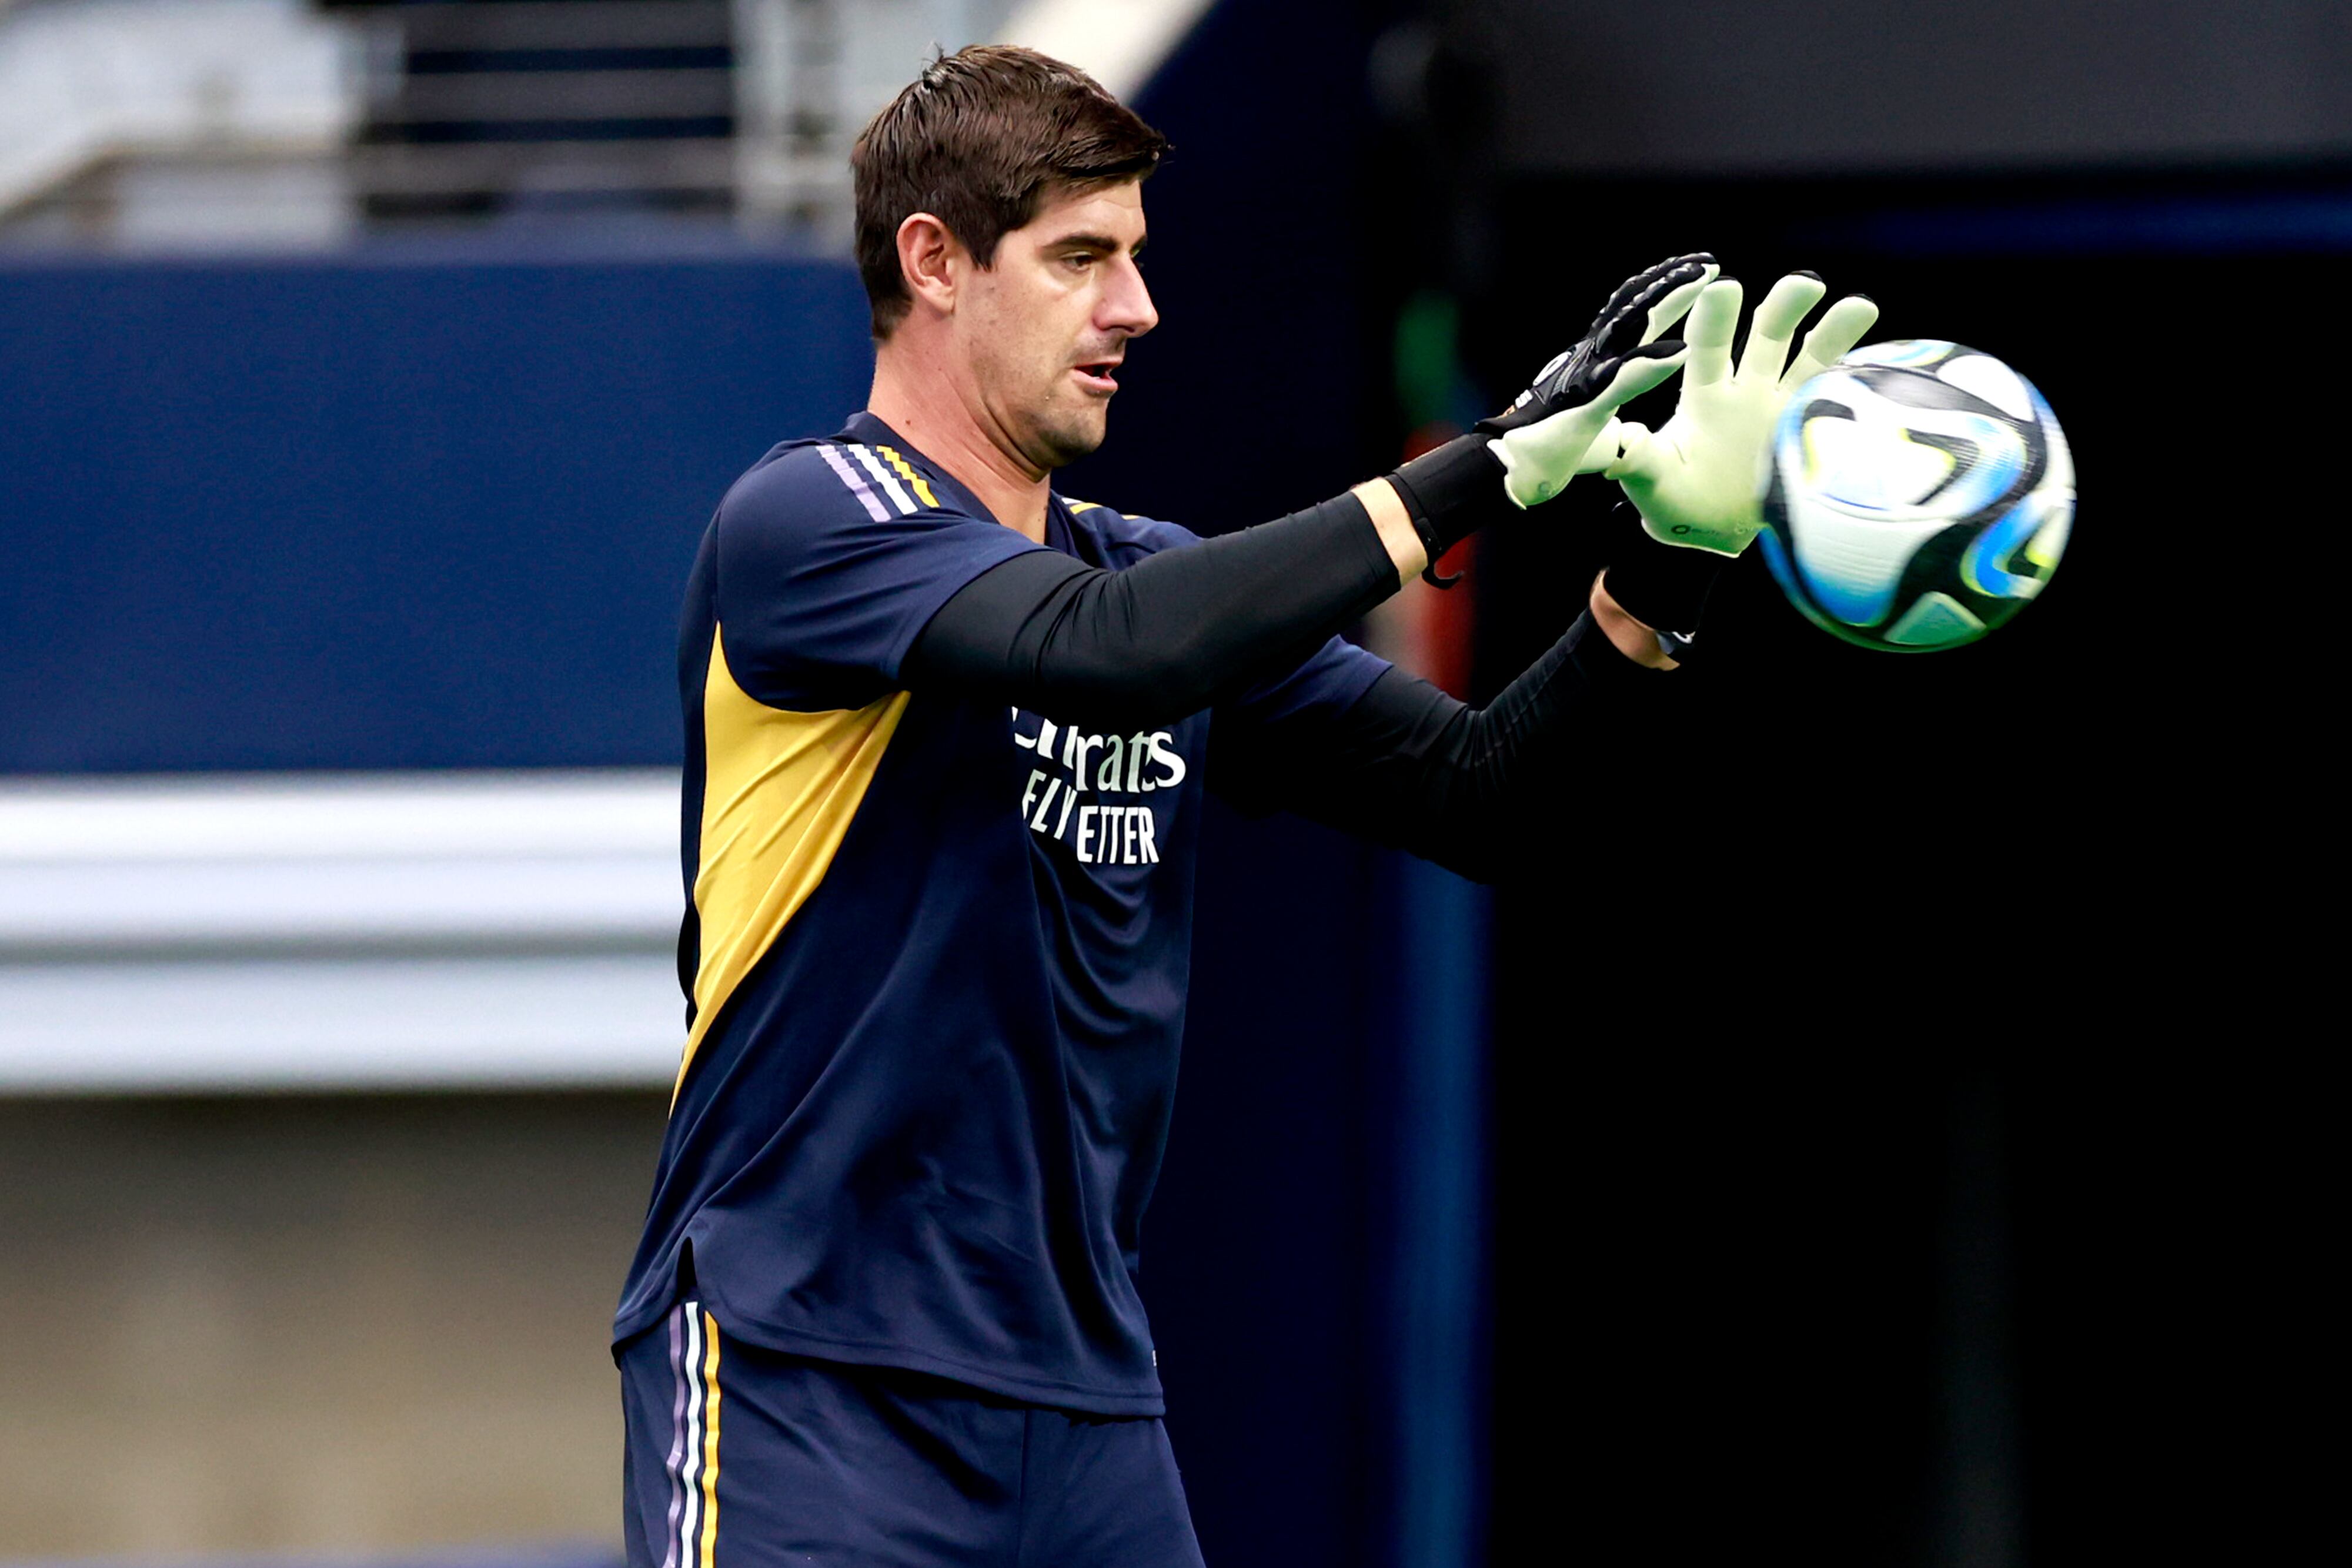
(339, 931)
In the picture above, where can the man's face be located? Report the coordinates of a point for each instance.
(1046, 327)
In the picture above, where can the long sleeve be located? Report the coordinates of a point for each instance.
(1171, 634)
(1479, 791)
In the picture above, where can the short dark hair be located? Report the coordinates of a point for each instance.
(979, 141)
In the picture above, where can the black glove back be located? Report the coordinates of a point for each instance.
(1623, 328)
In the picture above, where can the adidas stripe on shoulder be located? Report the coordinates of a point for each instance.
(884, 481)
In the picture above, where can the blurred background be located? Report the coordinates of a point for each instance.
(1872, 1129)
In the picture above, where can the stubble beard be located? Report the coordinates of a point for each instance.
(1062, 433)
(1067, 435)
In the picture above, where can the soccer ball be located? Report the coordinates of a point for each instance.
(1920, 494)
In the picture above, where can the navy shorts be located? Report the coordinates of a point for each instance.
(740, 1457)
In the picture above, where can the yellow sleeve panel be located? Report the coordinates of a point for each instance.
(779, 791)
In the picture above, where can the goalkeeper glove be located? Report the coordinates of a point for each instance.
(1697, 482)
(1553, 430)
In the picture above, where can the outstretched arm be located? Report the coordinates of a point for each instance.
(1175, 632)
(1471, 788)
(1172, 633)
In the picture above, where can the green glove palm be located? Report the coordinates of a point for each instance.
(1539, 459)
(1697, 480)
(1553, 430)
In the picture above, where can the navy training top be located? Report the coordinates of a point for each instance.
(936, 950)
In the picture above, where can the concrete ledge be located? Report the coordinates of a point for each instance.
(502, 929)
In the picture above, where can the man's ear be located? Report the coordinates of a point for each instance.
(928, 250)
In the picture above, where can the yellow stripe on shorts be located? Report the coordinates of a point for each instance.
(710, 1440)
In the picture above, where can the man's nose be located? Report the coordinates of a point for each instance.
(1127, 304)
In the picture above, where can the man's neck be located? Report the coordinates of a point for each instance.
(924, 403)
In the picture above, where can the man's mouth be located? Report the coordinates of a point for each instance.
(1099, 375)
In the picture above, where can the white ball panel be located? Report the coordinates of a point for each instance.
(1854, 562)
(1981, 375)
(1869, 464)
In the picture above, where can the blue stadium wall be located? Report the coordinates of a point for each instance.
(371, 513)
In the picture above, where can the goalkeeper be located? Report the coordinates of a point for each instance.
(947, 733)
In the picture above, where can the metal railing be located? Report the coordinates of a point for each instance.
(531, 104)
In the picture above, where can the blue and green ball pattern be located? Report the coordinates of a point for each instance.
(1920, 494)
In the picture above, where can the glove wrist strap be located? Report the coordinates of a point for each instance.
(1451, 493)
(1663, 586)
